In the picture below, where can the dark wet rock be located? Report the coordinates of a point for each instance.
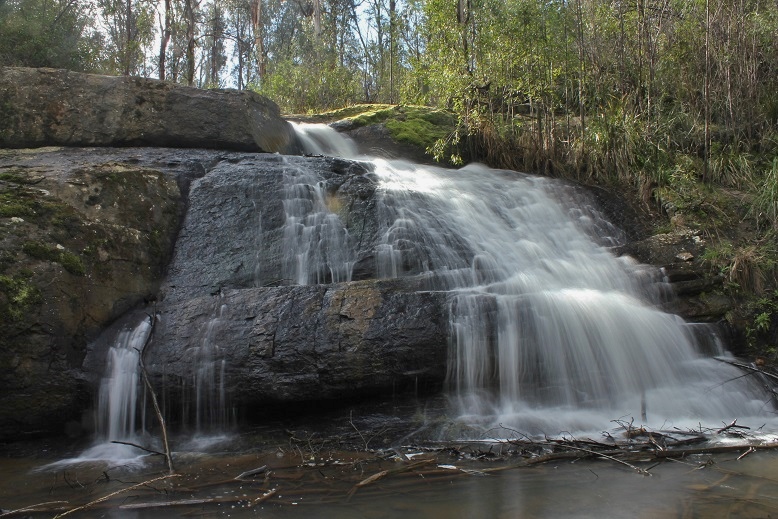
(48, 107)
(84, 236)
(233, 235)
(91, 233)
(307, 343)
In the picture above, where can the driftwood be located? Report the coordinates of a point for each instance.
(141, 447)
(250, 473)
(382, 474)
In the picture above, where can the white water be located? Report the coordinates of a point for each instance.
(549, 331)
(119, 417)
(317, 247)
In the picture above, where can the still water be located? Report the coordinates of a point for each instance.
(385, 463)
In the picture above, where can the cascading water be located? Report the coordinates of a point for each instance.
(549, 331)
(206, 392)
(118, 397)
(316, 245)
(120, 411)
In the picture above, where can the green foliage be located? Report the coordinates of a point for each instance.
(43, 33)
(765, 204)
(765, 313)
(297, 87)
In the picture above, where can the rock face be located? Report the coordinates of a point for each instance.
(84, 236)
(88, 234)
(298, 344)
(45, 107)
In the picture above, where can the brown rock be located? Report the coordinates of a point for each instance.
(45, 107)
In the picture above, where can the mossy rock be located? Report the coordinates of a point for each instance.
(81, 242)
(416, 127)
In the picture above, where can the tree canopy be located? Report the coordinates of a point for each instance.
(589, 88)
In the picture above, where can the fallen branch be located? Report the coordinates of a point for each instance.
(747, 367)
(732, 425)
(606, 456)
(380, 475)
(264, 497)
(31, 508)
(114, 494)
(141, 447)
(250, 473)
(153, 394)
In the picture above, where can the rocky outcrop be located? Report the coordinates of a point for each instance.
(698, 290)
(85, 235)
(233, 236)
(47, 107)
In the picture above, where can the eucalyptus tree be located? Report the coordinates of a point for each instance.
(214, 53)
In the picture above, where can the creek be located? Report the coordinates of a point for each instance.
(549, 334)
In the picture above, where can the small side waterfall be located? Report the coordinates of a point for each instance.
(206, 407)
(118, 397)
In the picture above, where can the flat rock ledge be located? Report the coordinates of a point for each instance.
(49, 107)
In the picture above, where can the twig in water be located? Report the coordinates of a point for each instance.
(141, 447)
(113, 494)
(250, 473)
(351, 421)
(602, 455)
(732, 425)
(264, 497)
(31, 508)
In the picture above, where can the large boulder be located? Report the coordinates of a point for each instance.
(296, 344)
(45, 107)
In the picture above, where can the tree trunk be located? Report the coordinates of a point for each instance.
(164, 40)
(189, 15)
(259, 40)
(128, 34)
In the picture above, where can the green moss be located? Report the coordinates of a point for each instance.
(15, 201)
(42, 251)
(420, 130)
(17, 296)
(349, 112)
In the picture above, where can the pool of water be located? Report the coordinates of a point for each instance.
(379, 464)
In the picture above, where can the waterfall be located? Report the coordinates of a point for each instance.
(117, 402)
(549, 330)
(207, 398)
(317, 247)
